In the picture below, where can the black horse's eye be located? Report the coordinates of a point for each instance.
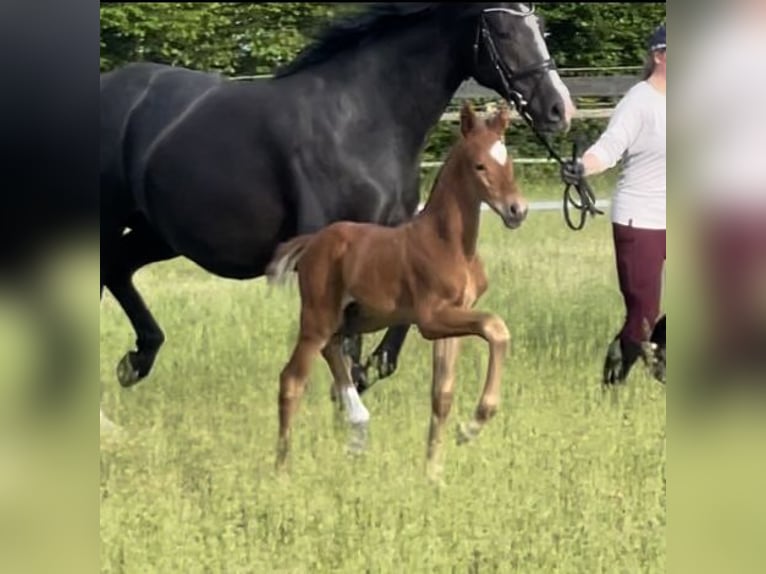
(501, 31)
(480, 167)
(499, 28)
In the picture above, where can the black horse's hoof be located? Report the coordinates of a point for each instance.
(359, 376)
(654, 358)
(658, 371)
(377, 368)
(127, 374)
(384, 366)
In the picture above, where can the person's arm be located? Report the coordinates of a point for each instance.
(622, 130)
(592, 164)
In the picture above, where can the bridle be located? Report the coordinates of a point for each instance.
(508, 78)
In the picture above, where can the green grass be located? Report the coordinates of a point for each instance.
(566, 478)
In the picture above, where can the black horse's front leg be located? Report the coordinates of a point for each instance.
(381, 363)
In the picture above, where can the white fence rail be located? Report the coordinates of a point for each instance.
(519, 160)
(544, 205)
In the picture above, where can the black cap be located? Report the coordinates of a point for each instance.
(657, 41)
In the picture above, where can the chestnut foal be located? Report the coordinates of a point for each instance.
(359, 277)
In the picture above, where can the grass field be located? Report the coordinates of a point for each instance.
(566, 478)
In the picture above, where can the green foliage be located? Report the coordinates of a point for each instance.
(586, 34)
(231, 37)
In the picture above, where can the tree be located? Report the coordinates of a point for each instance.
(610, 34)
(232, 38)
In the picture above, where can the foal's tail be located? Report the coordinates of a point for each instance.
(286, 257)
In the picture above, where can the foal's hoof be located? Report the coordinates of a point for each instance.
(109, 430)
(466, 432)
(357, 443)
(435, 474)
(127, 374)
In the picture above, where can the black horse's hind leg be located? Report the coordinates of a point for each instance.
(352, 347)
(383, 359)
(133, 250)
(656, 353)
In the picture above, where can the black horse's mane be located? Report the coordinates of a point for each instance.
(377, 20)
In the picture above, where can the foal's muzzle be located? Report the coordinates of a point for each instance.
(512, 214)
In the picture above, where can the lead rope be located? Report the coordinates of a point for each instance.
(587, 198)
(587, 204)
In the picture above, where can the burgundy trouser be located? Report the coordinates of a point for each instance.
(734, 259)
(640, 255)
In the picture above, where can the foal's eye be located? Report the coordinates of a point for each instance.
(480, 167)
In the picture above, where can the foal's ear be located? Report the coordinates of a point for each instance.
(467, 118)
(499, 122)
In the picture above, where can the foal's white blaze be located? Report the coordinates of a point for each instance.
(357, 412)
(499, 152)
(569, 107)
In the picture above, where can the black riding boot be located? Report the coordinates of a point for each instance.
(620, 358)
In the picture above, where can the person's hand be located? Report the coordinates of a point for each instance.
(572, 171)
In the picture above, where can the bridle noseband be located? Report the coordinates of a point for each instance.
(508, 78)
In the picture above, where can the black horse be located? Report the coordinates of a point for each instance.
(222, 171)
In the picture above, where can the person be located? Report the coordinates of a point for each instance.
(636, 135)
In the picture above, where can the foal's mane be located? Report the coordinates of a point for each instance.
(378, 20)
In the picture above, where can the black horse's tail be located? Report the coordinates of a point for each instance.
(286, 257)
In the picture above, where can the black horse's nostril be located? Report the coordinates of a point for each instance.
(556, 112)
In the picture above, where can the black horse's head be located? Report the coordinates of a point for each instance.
(510, 56)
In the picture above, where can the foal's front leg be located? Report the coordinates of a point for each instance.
(457, 322)
(357, 414)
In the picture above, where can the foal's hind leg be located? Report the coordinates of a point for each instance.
(444, 357)
(132, 251)
(292, 384)
(356, 413)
